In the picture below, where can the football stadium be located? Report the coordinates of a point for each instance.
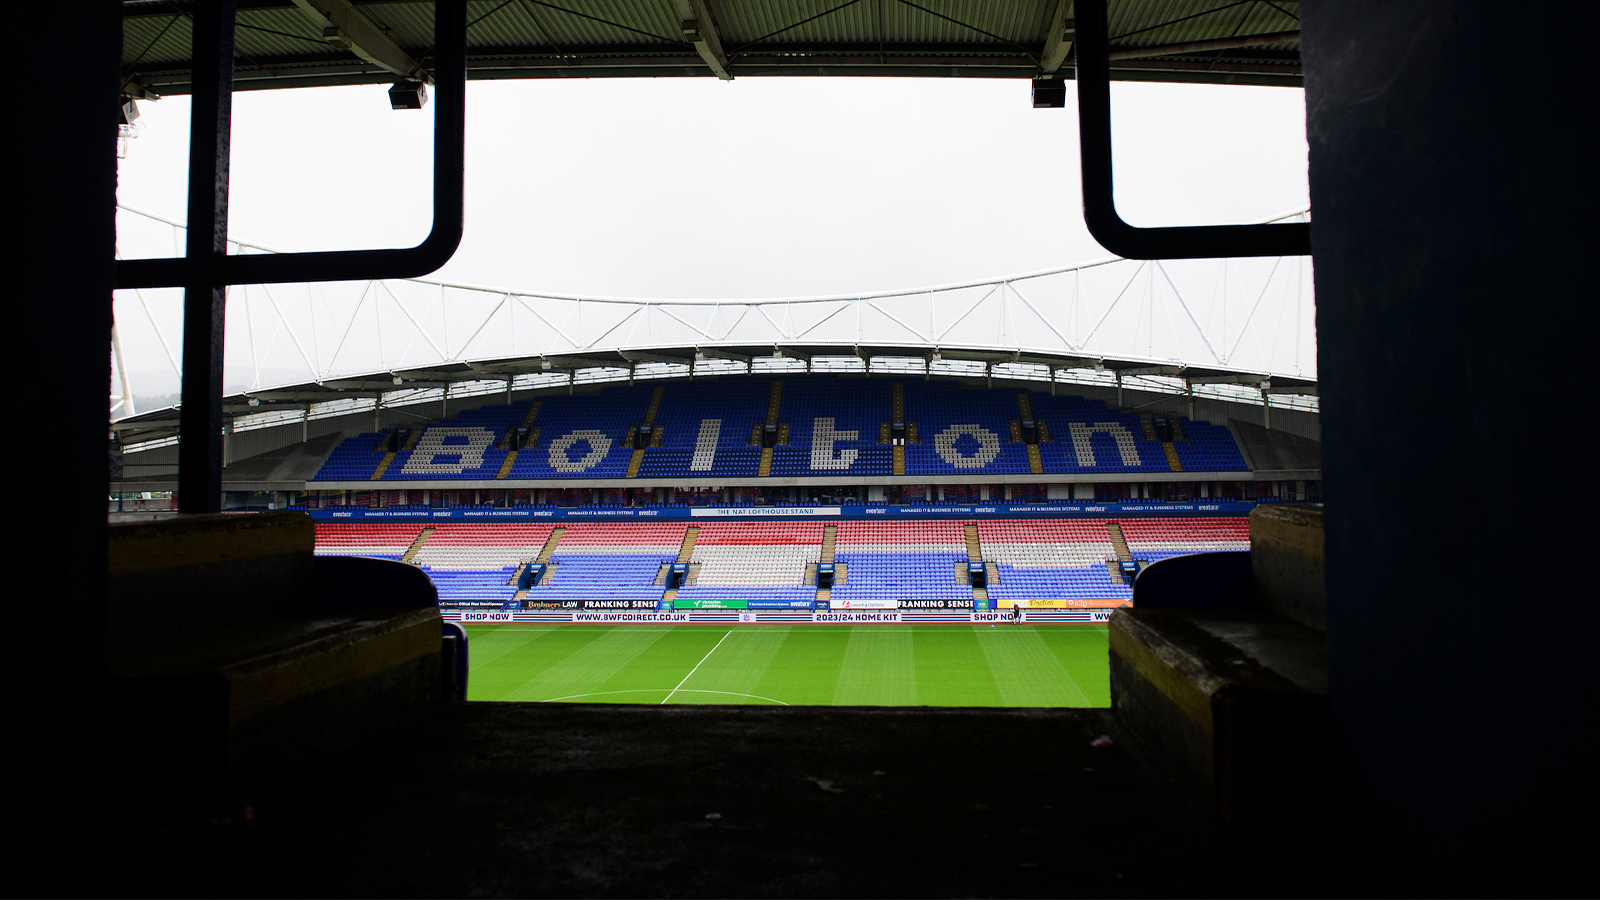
(860, 518)
(1209, 565)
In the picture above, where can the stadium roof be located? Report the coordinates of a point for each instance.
(303, 43)
(402, 387)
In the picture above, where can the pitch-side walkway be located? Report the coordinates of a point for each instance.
(512, 799)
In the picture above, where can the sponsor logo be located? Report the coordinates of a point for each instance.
(485, 617)
(630, 617)
(745, 512)
(855, 616)
(865, 604)
(991, 615)
(935, 604)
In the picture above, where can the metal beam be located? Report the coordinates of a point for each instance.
(344, 25)
(639, 356)
(573, 363)
(205, 297)
(1250, 379)
(1233, 43)
(1167, 371)
(701, 29)
(1056, 46)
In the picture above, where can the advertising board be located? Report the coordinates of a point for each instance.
(847, 511)
(864, 604)
(849, 617)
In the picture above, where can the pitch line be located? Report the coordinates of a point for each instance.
(696, 667)
(653, 690)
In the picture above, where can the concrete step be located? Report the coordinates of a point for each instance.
(411, 551)
(686, 550)
(1119, 543)
(1173, 462)
(549, 547)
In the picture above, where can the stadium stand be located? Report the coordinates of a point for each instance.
(467, 446)
(771, 564)
(833, 427)
(583, 437)
(708, 431)
(1208, 448)
(829, 426)
(894, 561)
(963, 431)
(1051, 558)
(1087, 435)
(761, 564)
(376, 541)
(477, 562)
(1153, 539)
(354, 459)
(609, 564)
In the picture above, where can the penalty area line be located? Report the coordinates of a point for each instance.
(696, 667)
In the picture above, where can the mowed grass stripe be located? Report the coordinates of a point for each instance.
(952, 669)
(594, 667)
(733, 674)
(805, 669)
(1027, 673)
(879, 669)
(496, 675)
(1081, 650)
(823, 665)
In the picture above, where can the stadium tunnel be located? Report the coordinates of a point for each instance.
(1450, 779)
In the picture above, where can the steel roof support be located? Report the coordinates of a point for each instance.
(1099, 200)
(1056, 45)
(341, 23)
(701, 29)
(206, 269)
(200, 453)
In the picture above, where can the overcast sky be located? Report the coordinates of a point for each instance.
(695, 188)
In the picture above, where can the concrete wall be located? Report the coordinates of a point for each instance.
(1452, 247)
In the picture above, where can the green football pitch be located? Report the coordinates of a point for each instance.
(801, 665)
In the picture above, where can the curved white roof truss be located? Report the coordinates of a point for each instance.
(1241, 329)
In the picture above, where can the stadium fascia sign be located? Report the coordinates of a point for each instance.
(772, 617)
(657, 514)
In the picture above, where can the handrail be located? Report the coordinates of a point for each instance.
(449, 159)
(1099, 200)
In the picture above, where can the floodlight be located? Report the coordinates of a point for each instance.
(397, 379)
(544, 364)
(408, 95)
(253, 402)
(1049, 93)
